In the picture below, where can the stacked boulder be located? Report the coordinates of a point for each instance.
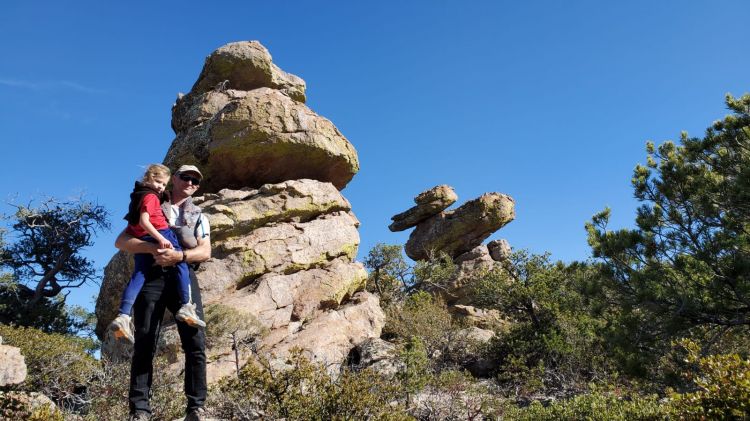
(459, 233)
(283, 237)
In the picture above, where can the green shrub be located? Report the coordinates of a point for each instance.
(305, 391)
(58, 365)
(604, 406)
(722, 384)
(108, 392)
(555, 342)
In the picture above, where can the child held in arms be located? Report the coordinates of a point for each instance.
(147, 222)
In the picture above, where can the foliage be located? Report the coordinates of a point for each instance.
(554, 342)
(722, 384)
(456, 395)
(415, 372)
(107, 392)
(43, 252)
(687, 264)
(58, 365)
(598, 405)
(389, 275)
(227, 324)
(393, 279)
(303, 390)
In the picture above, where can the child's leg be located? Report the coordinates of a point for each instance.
(183, 273)
(143, 262)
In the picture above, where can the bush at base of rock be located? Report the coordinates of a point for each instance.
(58, 365)
(28, 406)
(303, 390)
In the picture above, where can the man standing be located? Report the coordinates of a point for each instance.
(160, 292)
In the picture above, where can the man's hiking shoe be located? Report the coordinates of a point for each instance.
(122, 328)
(197, 414)
(188, 315)
(139, 416)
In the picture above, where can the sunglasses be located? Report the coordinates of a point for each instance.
(186, 178)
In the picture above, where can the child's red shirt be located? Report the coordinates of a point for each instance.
(151, 205)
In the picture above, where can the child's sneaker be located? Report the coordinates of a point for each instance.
(188, 315)
(122, 328)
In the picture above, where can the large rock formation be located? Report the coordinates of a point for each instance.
(458, 233)
(283, 237)
(245, 124)
(460, 230)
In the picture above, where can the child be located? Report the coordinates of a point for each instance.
(147, 222)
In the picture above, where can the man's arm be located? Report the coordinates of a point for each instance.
(130, 244)
(201, 253)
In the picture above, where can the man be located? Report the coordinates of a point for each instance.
(160, 292)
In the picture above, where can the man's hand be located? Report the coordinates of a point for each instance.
(167, 257)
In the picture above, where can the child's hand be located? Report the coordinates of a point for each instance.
(164, 243)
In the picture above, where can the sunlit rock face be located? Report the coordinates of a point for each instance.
(245, 124)
(283, 237)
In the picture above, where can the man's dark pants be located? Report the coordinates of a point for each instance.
(160, 292)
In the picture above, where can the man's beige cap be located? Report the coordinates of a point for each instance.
(189, 168)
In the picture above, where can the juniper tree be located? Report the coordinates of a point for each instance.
(42, 249)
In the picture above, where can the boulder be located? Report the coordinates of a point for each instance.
(263, 137)
(246, 65)
(12, 366)
(378, 355)
(499, 250)
(18, 405)
(116, 276)
(460, 230)
(478, 317)
(429, 203)
(329, 338)
(458, 289)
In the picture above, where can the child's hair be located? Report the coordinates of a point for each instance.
(155, 170)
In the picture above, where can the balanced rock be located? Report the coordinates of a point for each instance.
(460, 230)
(12, 366)
(429, 203)
(246, 65)
(244, 124)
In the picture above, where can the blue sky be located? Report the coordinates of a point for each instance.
(548, 101)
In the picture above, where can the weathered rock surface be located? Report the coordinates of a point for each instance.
(378, 355)
(429, 203)
(478, 317)
(283, 255)
(458, 289)
(255, 129)
(460, 230)
(329, 338)
(247, 65)
(116, 276)
(12, 366)
(499, 250)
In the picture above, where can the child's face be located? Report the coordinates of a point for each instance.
(158, 183)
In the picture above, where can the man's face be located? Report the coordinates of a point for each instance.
(186, 182)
